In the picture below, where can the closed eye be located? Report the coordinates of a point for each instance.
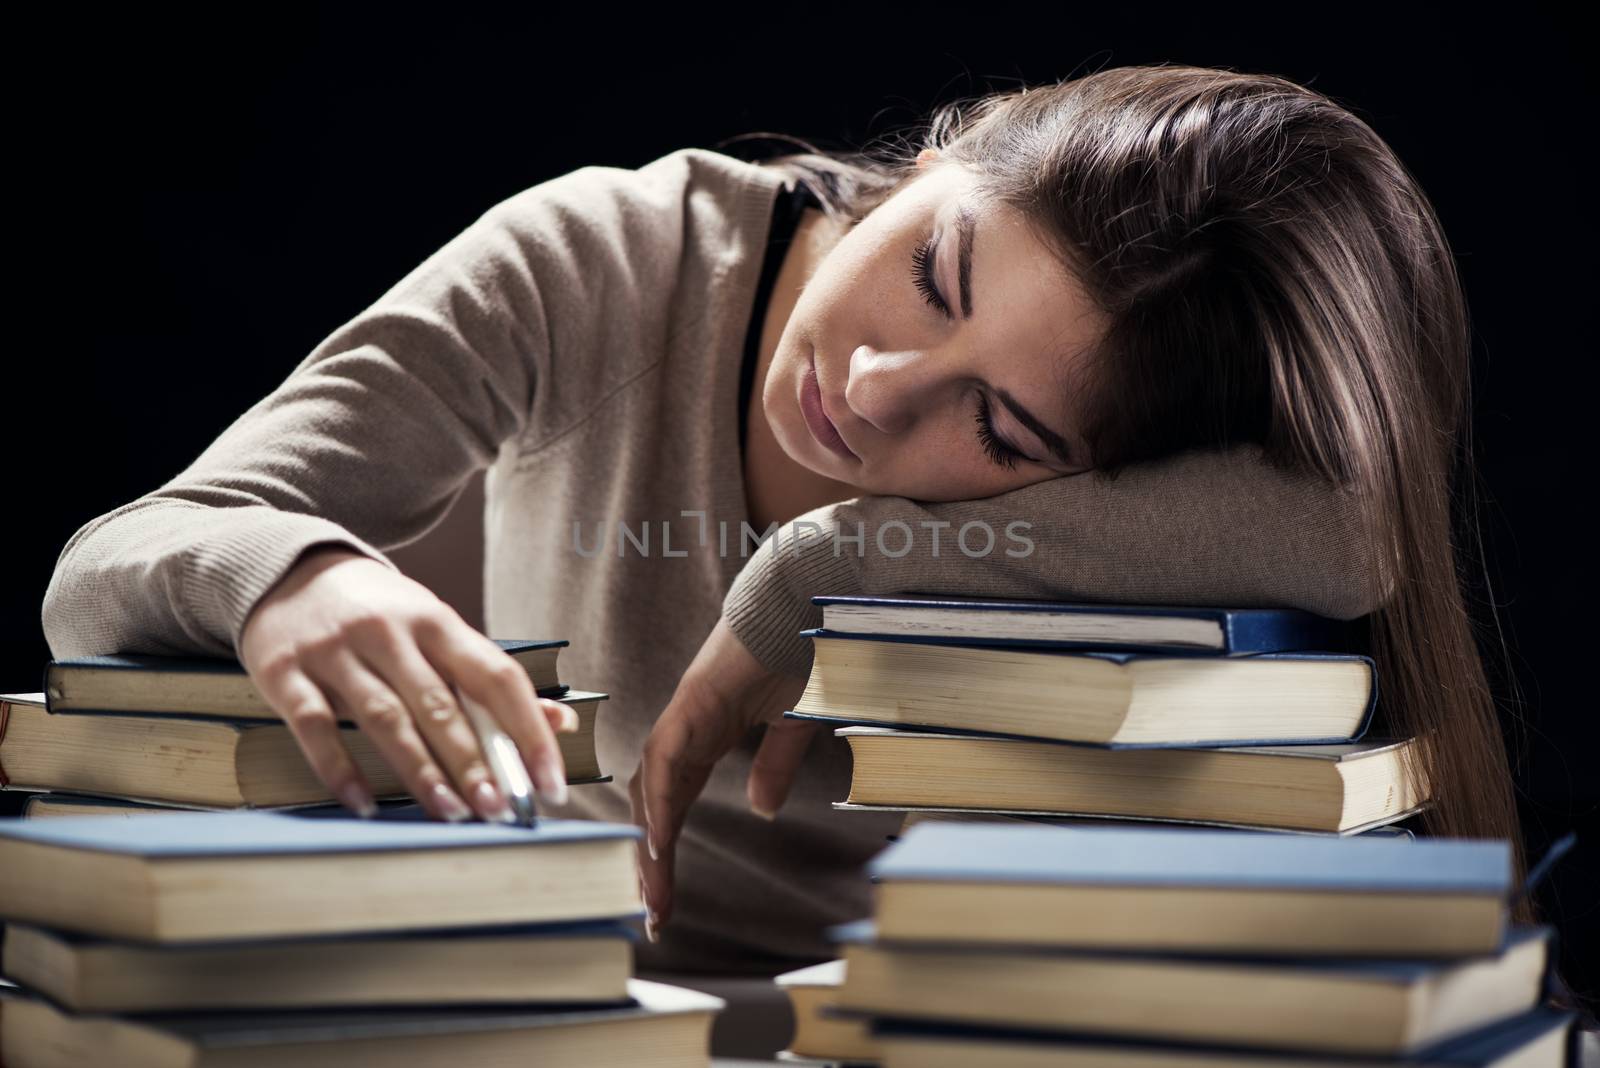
(1000, 453)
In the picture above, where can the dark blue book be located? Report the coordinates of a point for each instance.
(1543, 1037)
(1115, 699)
(1371, 1006)
(559, 963)
(203, 876)
(1174, 629)
(658, 1025)
(147, 684)
(1194, 890)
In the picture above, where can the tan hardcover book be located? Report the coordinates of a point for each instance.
(1541, 1038)
(818, 1036)
(203, 761)
(1193, 890)
(208, 876)
(1330, 788)
(1356, 1007)
(665, 1027)
(566, 963)
(1099, 698)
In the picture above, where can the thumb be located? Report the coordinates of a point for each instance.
(776, 764)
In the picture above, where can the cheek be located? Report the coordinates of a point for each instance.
(939, 463)
(858, 296)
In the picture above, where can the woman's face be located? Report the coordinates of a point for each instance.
(904, 381)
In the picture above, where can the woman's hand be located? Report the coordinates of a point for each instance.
(340, 635)
(724, 693)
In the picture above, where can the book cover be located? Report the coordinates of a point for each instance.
(1397, 970)
(1238, 631)
(1153, 857)
(226, 667)
(615, 927)
(255, 833)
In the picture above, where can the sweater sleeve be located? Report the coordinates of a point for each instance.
(1202, 528)
(500, 339)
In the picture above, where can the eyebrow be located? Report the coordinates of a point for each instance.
(966, 223)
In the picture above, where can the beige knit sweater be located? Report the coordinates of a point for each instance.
(583, 341)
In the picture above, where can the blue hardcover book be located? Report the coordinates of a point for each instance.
(521, 964)
(1091, 697)
(1194, 890)
(1543, 1037)
(1362, 1006)
(206, 876)
(1047, 624)
(148, 684)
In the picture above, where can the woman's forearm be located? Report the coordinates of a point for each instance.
(1223, 528)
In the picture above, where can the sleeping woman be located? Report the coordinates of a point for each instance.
(1156, 335)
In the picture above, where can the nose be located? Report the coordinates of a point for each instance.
(890, 389)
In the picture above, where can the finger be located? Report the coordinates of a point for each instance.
(394, 658)
(657, 860)
(487, 674)
(777, 762)
(384, 719)
(677, 760)
(642, 855)
(562, 717)
(309, 716)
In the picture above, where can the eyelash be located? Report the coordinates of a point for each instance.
(922, 275)
(1002, 454)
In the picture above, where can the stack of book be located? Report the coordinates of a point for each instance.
(1246, 718)
(233, 939)
(963, 710)
(138, 733)
(1023, 945)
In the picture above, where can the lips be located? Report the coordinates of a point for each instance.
(816, 416)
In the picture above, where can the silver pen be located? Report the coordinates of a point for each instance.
(505, 763)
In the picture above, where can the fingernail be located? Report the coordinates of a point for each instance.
(452, 807)
(650, 924)
(552, 782)
(491, 805)
(650, 844)
(765, 814)
(356, 799)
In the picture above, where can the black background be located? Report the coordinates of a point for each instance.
(203, 202)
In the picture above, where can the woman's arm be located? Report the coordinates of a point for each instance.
(269, 547)
(1219, 528)
(1205, 528)
(373, 435)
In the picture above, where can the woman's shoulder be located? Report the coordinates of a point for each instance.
(688, 190)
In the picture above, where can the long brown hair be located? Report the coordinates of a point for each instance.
(1270, 272)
